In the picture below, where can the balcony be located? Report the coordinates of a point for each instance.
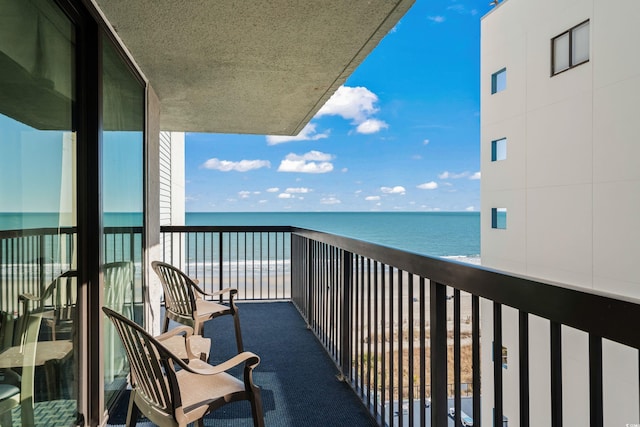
(390, 337)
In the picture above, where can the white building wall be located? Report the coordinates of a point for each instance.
(172, 180)
(172, 190)
(570, 183)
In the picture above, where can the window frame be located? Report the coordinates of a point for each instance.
(495, 149)
(494, 81)
(569, 32)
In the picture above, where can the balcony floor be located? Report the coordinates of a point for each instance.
(297, 377)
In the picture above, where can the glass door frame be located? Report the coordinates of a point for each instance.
(90, 30)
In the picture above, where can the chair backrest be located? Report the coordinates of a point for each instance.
(179, 297)
(61, 295)
(59, 298)
(152, 365)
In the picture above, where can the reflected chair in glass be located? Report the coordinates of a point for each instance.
(18, 390)
(9, 379)
(59, 298)
(185, 303)
(171, 392)
(118, 295)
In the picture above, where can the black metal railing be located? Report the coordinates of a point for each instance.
(394, 320)
(403, 329)
(254, 260)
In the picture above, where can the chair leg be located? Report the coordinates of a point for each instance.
(5, 419)
(236, 323)
(165, 326)
(133, 413)
(256, 407)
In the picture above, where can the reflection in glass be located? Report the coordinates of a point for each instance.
(38, 286)
(122, 177)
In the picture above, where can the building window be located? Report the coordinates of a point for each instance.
(499, 149)
(499, 81)
(499, 218)
(570, 48)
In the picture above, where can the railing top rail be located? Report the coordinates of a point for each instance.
(225, 228)
(29, 232)
(604, 315)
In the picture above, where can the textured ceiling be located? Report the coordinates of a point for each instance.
(262, 67)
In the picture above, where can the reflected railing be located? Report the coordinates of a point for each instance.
(31, 258)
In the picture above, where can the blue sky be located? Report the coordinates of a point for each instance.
(401, 134)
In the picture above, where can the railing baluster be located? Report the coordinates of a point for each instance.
(383, 300)
(392, 332)
(410, 335)
(438, 325)
(376, 327)
(596, 414)
(361, 328)
(456, 358)
(400, 350)
(423, 353)
(369, 334)
(346, 329)
(475, 342)
(556, 375)
(497, 365)
(523, 350)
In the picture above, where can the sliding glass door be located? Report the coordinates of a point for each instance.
(122, 201)
(38, 214)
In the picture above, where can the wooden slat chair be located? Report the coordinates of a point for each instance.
(17, 389)
(171, 397)
(185, 303)
(60, 297)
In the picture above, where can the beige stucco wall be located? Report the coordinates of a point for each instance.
(570, 183)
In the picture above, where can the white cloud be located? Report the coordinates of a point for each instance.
(308, 133)
(297, 190)
(306, 163)
(351, 103)
(330, 201)
(372, 198)
(244, 194)
(438, 19)
(285, 196)
(476, 175)
(273, 190)
(450, 175)
(371, 126)
(241, 166)
(432, 185)
(356, 104)
(470, 209)
(425, 142)
(263, 201)
(344, 170)
(398, 189)
(462, 10)
(416, 157)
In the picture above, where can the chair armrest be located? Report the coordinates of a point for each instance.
(199, 367)
(188, 330)
(231, 291)
(177, 344)
(30, 297)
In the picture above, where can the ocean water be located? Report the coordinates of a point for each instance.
(443, 234)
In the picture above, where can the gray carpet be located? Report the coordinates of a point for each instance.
(297, 377)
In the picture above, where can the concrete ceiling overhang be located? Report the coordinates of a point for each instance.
(258, 67)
